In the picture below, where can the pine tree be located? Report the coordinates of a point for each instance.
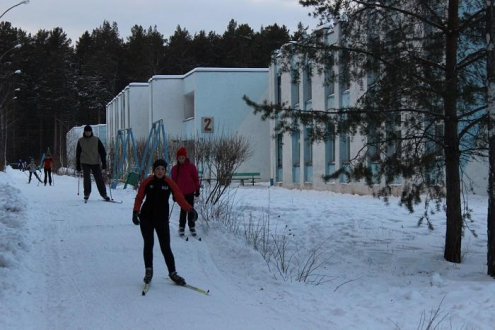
(424, 110)
(490, 6)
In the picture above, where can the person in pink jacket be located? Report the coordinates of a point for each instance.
(185, 175)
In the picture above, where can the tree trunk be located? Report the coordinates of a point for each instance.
(55, 133)
(490, 17)
(453, 236)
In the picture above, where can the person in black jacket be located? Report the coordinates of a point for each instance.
(154, 216)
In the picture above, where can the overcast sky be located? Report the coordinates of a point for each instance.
(78, 16)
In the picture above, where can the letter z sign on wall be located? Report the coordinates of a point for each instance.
(207, 124)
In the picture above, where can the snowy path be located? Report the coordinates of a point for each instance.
(86, 271)
(68, 265)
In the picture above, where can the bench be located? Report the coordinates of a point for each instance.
(246, 176)
(251, 176)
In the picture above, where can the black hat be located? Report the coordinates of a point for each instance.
(159, 162)
(88, 128)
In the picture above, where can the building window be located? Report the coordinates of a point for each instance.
(295, 94)
(280, 148)
(308, 147)
(330, 149)
(345, 71)
(308, 89)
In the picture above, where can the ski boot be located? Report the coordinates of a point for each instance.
(148, 276)
(181, 231)
(193, 231)
(177, 279)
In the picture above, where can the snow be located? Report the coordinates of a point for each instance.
(69, 265)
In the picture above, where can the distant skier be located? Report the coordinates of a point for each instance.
(32, 169)
(153, 216)
(20, 165)
(185, 174)
(89, 151)
(47, 168)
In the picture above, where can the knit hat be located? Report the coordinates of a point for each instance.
(159, 162)
(88, 128)
(181, 152)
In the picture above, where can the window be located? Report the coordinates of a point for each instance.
(295, 93)
(279, 89)
(308, 147)
(329, 81)
(345, 74)
(308, 90)
(330, 145)
(280, 148)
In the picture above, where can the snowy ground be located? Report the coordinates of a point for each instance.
(68, 265)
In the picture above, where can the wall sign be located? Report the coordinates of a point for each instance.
(207, 124)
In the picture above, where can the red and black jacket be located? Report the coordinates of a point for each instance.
(157, 192)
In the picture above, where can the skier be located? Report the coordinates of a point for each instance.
(89, 151)
(47, 168)
(32, 169)
(185, 174)
(20, 165)
(153, 216)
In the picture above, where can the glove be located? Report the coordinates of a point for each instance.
(194, 214)
(135, 218)
(196, 193)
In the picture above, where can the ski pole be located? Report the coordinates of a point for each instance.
(109, 179)
(171, 210)
(78, 183)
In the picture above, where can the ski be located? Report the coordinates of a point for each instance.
(192, 287)
(112, 201)
(85, 201)
(145, 288)
(184, 237)
(197, 238)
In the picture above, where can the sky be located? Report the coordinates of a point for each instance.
(68, 265)
(76, 16)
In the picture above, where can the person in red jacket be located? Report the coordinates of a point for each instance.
(47, 167)
(185, 174)
(153, 216)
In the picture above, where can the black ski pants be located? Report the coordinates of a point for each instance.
(162, 229)
(87, 169)
(184, 214)
(48, 173)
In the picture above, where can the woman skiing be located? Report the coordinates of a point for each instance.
(153, 216)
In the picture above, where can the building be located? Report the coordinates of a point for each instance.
(295, 162)
(201, 103)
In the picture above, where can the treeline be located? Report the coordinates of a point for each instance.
(61, 85)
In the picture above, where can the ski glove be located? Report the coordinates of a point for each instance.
(135, 218)
(194, 214)
(196, 193)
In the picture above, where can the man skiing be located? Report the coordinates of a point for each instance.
(89, 151)
(153, 216)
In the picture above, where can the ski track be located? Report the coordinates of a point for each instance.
(89, 271)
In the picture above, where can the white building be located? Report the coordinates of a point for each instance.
(203, 102)
(296, 163)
